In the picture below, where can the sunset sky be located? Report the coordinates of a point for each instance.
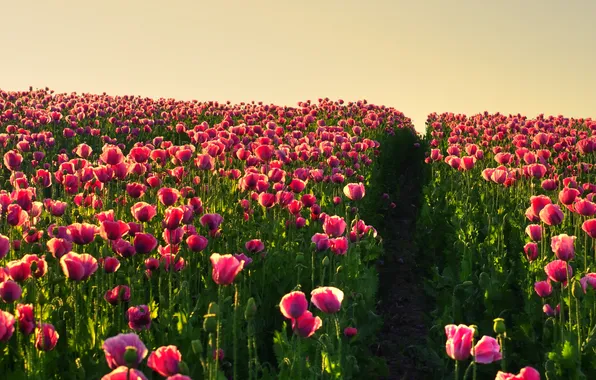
(524, 56)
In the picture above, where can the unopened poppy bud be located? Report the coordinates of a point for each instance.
(251, 309)
(210, 323)
(197, 347)
(499, 326)
(339, 269)
(213, 308)
(576, 290)
(299, 258)
(325, 261)
(183, 368)
(130, 356)
(475, 330)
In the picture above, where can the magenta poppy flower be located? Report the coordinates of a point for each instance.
(124, 373)
(144, 243)
(139, 154)
(168, 196)
(13, 160)
(83, 150)
(82, 233)
(254, 246)
(559, 271)
(266, 200)
(7, 321)
(139, 317)
(173, 236)
(225, 268)
(487, 350)
(526, 373)
(543, 288)
(334, 226)
(115, 347)
(197, 243)
(459, 341)
(18, 270)
(118, 294)
(539, 202)
(563, 246)
(173, 217)
(165, 360)
(179, 377)
(534, 231)
(293, 305)
(350, 332)
(264, 152)
(354, 191)
(143, 212)
(205, 162)
(549, 184)
(211, 221)
(339, 245)
(551, 215)
(327, 299)
(531, 251)
(589, 280)
(584, 207)
(78, 267)
(111, 155)
(135, 190)
(46, 337)
(113, 230)
(10, 291)
(16, 216)
(589, 227)
(567, 195)
(306, 325)
(123, 248)
(111, 264)
(26, 318)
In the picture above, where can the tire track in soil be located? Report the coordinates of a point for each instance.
(403, 304)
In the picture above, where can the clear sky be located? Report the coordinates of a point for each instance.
(418, 56)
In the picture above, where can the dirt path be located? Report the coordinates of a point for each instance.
(403, 303)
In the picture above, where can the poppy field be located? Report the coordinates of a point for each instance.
(153, 238)
(508, 223)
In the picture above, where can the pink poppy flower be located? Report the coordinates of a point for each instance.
(327, 299)
(551, 215)
(26, 318)
(459, 341)
(7, 321)
(293, 305)
(306, 325)
(487, 350)
(225, 268)
(559, 271)
(139, 317)
(165, 360)
(526, 373)
(46, 337)
(78, 267)
(563, 246)
(354, 191)
(115, 347)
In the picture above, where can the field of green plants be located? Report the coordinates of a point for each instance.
(161, 239)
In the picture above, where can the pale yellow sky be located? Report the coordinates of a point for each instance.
(525, 56)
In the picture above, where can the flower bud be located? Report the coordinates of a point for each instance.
(475, 330)
(183, 368)
(577, 290)
(299, 258)
(325, 261)
(197, 347)
(499, 326)
(251, 309)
